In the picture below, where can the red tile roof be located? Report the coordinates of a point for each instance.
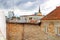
(54, 15)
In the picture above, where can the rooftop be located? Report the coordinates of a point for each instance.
(54, 15)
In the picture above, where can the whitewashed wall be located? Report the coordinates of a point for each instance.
(2, 23)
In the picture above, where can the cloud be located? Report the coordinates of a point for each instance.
(23, 1)
(29, 5)
(42, 1)
(7, 4)
(12, 3)
(21, 12)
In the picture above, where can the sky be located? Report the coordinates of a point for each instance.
(28, 7)
(25, 7)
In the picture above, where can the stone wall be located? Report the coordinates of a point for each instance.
(14, 31)
(50, 27)
(31, 31)
(24, 32)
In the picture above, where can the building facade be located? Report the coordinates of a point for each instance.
(35, 18)
(26, 25)
(51, 22)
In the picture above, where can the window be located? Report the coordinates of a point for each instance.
(30, 18)
(25, 19)
(18, 18)
(58, 30)
(51, 28)
(45, 27)
(11, 18)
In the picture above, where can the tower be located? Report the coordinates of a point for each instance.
(39, 9)
(39, 12)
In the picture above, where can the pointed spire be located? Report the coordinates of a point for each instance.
(39, 9)
(39, 12)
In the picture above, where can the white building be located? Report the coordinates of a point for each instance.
(2, 26)
(27, 18)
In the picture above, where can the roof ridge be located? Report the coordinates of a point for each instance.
(51, 15)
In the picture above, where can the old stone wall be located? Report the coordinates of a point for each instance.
(14, 31)
(25, 32)
(30, 32)
(48, 28)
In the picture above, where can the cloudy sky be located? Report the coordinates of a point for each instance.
(27, 7)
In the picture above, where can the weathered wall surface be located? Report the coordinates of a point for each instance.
(14, 31)
(25, 32)
(31, 32)
(48, 27)
(51, 27)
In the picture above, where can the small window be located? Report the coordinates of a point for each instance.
(25, 19)
(30, 18)
(11, 18)
(18, 18)
(58, 30)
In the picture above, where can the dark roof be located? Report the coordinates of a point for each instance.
(54, 15)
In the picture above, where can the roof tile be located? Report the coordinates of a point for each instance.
(54, 15)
